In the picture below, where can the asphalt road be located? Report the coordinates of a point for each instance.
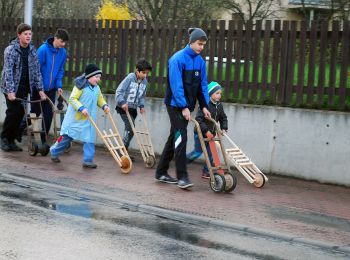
(39, 221)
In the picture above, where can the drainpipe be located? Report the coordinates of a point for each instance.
(312, 14)
(28, 11)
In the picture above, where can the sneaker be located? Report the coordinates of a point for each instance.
(4, 145)
(89, 165)
(184, 183)
(166, 179)
(205, 175)
(55, 159)
(15, 147)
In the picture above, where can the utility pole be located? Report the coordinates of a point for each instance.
(28, 11)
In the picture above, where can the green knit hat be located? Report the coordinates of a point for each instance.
(213, 87)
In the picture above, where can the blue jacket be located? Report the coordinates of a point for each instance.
(11, 72)
(187, 80)
(52, 63)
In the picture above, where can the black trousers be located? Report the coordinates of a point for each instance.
(13, 118)
(175, 145)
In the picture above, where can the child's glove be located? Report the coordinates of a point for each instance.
(209, 135)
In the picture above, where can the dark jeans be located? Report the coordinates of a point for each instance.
(128, 133)
(176, 144)
(13, 118)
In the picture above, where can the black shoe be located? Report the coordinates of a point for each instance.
(19, 138)
(184, 183)
(205, 175)
(166, 179)
(89, 165)
(15, 147)
(4, 145)
(55, 159)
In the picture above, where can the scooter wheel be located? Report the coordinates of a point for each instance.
(150, 161)
(44, 149)
(259, 180)
(231, 182)
(218, 183)
(126, 164)
(33, 150)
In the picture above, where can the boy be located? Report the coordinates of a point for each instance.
(187, 83)
(130, 95)
(83, 101)
(52, 57)
(207, 127)
(20, 76)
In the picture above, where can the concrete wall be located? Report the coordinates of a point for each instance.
(303, 143)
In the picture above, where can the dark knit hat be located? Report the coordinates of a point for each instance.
(213, 87)
(91, 70)
(197, 34)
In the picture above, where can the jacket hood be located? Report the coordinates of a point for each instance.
(49, 43)
(15, 42)
(81, 82)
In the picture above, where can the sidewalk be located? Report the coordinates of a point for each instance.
(284, 205)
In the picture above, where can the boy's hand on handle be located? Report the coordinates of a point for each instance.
(186, 114)
(209, 135)
(42, 95)
(125, 107)
(59, 91)
(206, 113)
(11, 96)
(106, 109)
(142, 110)
(85, 112)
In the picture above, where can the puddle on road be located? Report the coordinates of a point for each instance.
(80, 206)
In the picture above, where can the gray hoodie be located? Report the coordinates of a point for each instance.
(131, 92)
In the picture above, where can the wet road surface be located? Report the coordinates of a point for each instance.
(38, 221)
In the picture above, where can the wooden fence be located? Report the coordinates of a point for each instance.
(271, 62)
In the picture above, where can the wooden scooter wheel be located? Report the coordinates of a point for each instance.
(126, 164)
(259, 180)
(33, 149)
(231, 182)
(150, 161)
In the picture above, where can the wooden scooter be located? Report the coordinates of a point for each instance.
(36, 130)
(244, 165)
(221, 177)
(115, 145)
(144, 141)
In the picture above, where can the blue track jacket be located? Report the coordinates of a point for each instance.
(187, 80)
(52, 63)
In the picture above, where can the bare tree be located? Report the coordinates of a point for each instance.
(11, 8)
(250, 10)
(334, 10)
(166, 10)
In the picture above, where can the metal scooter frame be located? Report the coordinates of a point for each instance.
(115, 145)
(222, 180)
(144, 141)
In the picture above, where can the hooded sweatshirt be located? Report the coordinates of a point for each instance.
(52, 63)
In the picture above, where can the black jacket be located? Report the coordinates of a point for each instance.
(217, 113)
